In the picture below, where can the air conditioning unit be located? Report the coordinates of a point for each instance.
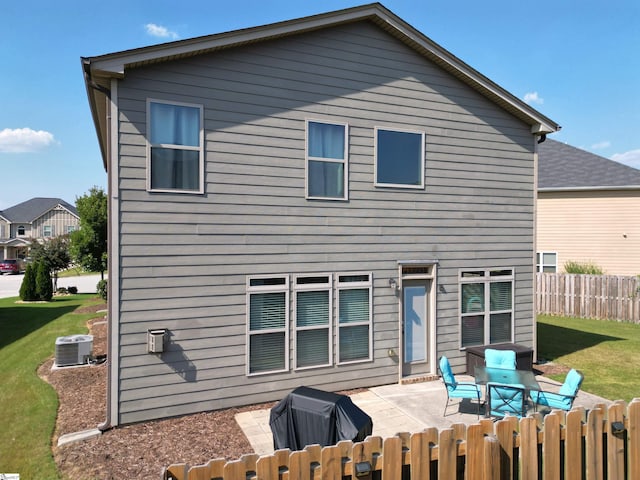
(73, 350)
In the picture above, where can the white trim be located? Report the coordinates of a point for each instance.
(113, 381)
(200, 148)
(344, 161)
(375, 158)
(541, 264)
(313, 287)
(259, 289)
(368, 284)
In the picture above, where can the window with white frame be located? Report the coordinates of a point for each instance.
(486, 306)
(47, 231)
(71, 228)
(354, 317)
(268, 324)
(313, 313)
(547, 262)
(176, 150)
(399, 158)
(327, 165)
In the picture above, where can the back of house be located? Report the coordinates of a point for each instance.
(333, 201)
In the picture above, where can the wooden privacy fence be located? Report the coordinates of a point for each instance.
(588, 296)
(601, 444)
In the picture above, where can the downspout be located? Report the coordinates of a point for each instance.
(540, 140)
(91, 87)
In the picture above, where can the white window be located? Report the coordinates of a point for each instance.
(327, 164)
(21, 230)
(547, 262)
(354, 317)
(486, 307)
(47, 231)
(268, 324)
(176, 147)
(399, 158)
(313, 313)
(71, 228)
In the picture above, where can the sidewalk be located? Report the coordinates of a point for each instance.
(399, 408)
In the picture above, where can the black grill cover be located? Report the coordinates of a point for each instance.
(308, 416)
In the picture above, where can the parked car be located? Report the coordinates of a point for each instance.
(11, 266)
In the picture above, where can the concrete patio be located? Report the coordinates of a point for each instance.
(400, 408)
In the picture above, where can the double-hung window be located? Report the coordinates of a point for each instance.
(399, 158)
(547, 262)
(313, 313)
(268, 325)
(21, 231)
(175, 147)
(486, 306)
(327, 164)
(47, 231)
(354, 317)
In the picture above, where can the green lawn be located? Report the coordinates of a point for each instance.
(28, 404)
(606, 352)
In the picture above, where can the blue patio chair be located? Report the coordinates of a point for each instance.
(500, 358)
(506, 400)
(457, 389)
(562, 400)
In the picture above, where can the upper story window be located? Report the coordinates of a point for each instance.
(547, 262)
(176, 147)
(47, 231)
(327, 164)
(399, 158)
(486, 306)
(21, 230)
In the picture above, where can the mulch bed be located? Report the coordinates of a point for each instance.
(140, 450)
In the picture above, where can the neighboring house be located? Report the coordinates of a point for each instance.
(333, 201)
(35, 219)
(587, 211)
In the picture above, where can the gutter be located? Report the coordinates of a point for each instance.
(588, 188)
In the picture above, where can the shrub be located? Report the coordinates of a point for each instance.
(62, 291)
(102, 289)
(72, 290)
(588, 268)
(44, 285)
(28, 286)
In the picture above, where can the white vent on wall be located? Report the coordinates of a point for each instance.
(73, 350)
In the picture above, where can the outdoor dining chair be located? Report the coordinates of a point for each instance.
(562, 400)
(500, 358)
(457, 389)
(506, 400)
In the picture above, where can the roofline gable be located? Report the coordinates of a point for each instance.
(99, 70)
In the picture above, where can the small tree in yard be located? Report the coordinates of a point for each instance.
(89, 243)
(54, 253)
(44, 287)
(28, 286)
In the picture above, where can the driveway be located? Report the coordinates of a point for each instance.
(10, 284)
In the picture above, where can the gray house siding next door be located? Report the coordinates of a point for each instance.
(185, 258)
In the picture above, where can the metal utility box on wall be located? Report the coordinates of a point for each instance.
(73, 350)
(156, 340)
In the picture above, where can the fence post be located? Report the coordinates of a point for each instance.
(421, 453)
(551, 445)
(615, 442)
(491, 460)
(447, 457)
(594, 445)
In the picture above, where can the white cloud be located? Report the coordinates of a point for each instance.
(21, 140)
(532, 97)
(631, 158)
(601, 145)
(160, 31)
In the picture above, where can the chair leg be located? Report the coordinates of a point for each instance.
(444, 414)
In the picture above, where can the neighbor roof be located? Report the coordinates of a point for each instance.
(30, 210)
(563, 167)
(100, 70)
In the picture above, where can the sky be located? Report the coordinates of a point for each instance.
(577, 62)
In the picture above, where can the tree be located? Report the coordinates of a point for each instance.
(54, 253)
(89, 243)
(28, 287)
(44, 287)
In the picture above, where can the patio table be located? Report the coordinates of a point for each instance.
(522, 378)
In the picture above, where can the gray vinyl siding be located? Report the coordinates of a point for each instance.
(58, 220)
(184, 259)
